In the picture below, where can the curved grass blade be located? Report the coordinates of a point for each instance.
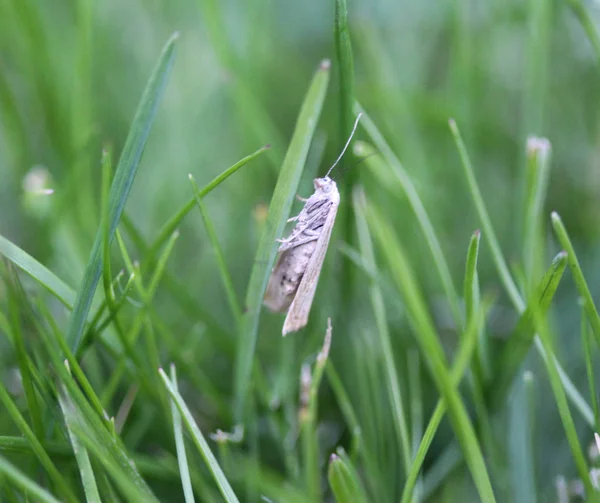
(81, 454)
(234, 304)
(550, 361)
(200, 442)
(344, 481)
(171, 226)
(184, 470)
(517, 346)
(17, 297)
(580, 282)
(486, 222)
(586, 343)
(432, 351)
(409, 189)
(503, 270)
(12, 410)
(121, 186)
(392, 381)
(287, 185)
(28, 486)
(460, 366)
(38, 272)
(538, 171)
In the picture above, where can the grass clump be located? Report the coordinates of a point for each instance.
(438, 363)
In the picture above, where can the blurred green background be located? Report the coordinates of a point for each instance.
(71, 75)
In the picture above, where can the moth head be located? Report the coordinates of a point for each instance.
(324, 184)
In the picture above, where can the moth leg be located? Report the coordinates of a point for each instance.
(301, 199)
(293, 219)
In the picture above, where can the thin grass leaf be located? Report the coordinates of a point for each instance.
(586, 344)
(486, 222)
(200, 442)
(130, 338)
(345, 405)
(521, 435)
(432, 351)
(538, 171)
(234, 304)
(17, 294)
(418, 208)
(38, 272)
(378, 306)
(37, 448)
(28, 486)
(345, 69)
(503, 270)
(563, 406)
(516, 348)
(285, 190)
(307, 417)
(81, 454)
(92, 431)
(416, 415)
(184, 470)
(460, 366)
(171, 226)
(74, 366)
(121, 186)
(344, 481)
(580, 282)
(131, 491)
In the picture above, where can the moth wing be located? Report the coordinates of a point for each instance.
(286, 276)
(275, 299)
(297, 316)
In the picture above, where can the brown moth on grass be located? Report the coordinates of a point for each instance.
(294, 279)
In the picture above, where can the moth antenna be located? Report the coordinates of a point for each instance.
(347, 143)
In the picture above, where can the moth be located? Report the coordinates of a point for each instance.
(294, 278)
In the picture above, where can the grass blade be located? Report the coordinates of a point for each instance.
(345, 61)
(81, 454)
(171, 226)
(200, 442)
(580, 282)
(392, 381)
(28, 486)
(432, 351)
(419, 209)
(502, 268)
(12, 410)
(521, 444)
(121, 186)
(184, 470)
(234, 304)
(517, 346)
(560, 397)
(486, 222)
(285, 190)
(308, 417)
(460, 366)
(538, 171)
(344, 481)
(586, 343)
(38, 272)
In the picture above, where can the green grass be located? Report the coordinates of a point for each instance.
(452, 348)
